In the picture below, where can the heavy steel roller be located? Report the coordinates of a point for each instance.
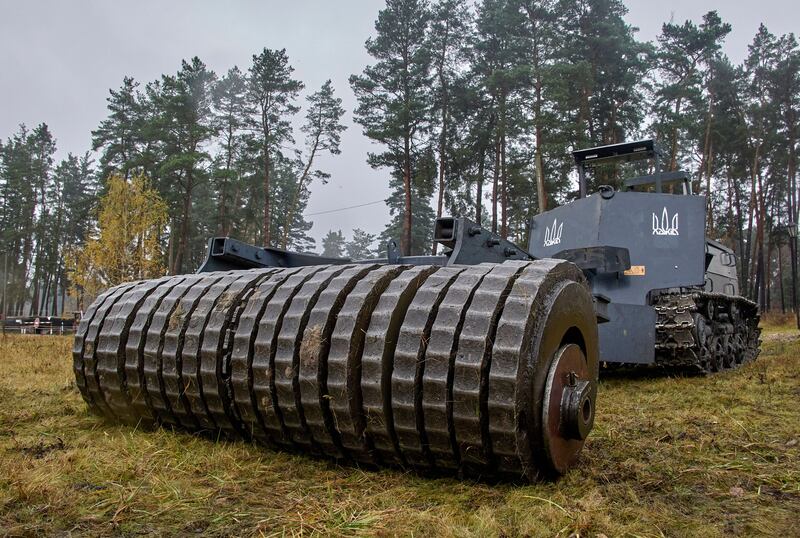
(489, 370)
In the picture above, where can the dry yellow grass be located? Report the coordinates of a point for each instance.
(669, 456)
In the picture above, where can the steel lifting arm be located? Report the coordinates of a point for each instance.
(226, 254)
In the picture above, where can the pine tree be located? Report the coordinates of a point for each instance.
(42, 148)
(184, 127)
(119, 134)
(231, 110)
(323, 130)
(497, 67)
(684, 52)
(447, 40)
(272, 92)
(361, 246)
(394, 107)
(333, 244)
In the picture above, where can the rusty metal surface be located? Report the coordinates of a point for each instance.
(567, 310)
(440, 353)
(344, 361)
(243, 350)
(377, 360)
(562, 450)
(409, 364)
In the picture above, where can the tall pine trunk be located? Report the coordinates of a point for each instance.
(266, 231)
(405, 243)
(495, 182)
(479, 188)
(540, 188)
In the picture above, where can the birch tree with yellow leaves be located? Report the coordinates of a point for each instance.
(127, 244)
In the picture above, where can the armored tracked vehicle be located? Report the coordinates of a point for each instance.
(677, 304)
(482, 361)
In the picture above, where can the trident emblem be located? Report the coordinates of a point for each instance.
(552, 235)
(664, 226)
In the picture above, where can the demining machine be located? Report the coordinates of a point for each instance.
(482, 361)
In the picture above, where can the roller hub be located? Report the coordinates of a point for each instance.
(568, 412)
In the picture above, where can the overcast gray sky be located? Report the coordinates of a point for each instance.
(59, 58)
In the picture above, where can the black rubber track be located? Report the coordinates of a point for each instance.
(313, 363)
(344, 361)
(409, 364)
(78, 346)
(215, 351)
(471, 367)
(152, 365)
(440, 353)
(243, 350)
(111, 350)
(287, 356)
(90, 348)
(377, 361)
(134, 350)
(264, 351)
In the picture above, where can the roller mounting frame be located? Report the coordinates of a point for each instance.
(466, 243)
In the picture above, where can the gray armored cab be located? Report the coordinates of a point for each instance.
(677, 304)
(482, 361)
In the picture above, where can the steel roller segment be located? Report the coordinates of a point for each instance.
(134, 349)
(79, 342)
(409, 366)
(471, 367)
(264, 351)
(562, 312)
(243, 350)
(180, 387)
(377, 360)
(152, 365)
(111, 350)
(509, 370)
(437, 378)
(344, 361)
(90, 344)
(313, 363)
(287, 356)
(215, 368)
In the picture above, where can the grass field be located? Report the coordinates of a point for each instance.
(668, 457)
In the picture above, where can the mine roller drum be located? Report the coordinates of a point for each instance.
(486, 370)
